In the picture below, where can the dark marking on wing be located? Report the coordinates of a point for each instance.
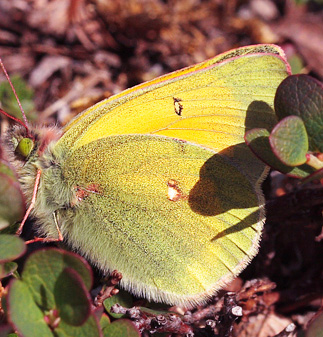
(178, 106)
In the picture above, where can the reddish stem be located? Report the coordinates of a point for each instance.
(14, 92)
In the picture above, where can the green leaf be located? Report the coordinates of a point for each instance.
(302, 96)
(258, 141)
(121, 328)
(12, 205)
(58, 295)
(24, 314)
(289, 141)
(7, 269)
(44, 267)
(11, 247)
(72, 298)
(315, 329)
(123, 298)
(104, 321)
(90, 328)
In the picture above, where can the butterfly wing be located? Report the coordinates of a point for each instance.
(178, 208)
(178, 250)
(211, 104)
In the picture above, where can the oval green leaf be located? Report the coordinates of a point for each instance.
(72, 298)
(258, 142)
(302, 95)
(23, 312)
(104, 321)
(121, 328)
(7, 269)
(11, 247)
(90, 328)
(289, 141)
(43, 269)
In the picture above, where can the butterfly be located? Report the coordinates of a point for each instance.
(157, 181)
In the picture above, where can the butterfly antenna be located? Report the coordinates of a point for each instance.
(25, 124)
(14, 119)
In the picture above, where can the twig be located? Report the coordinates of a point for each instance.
(231, 312)
(146, 321)
(108, 289)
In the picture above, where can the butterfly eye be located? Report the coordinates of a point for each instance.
(25, 147)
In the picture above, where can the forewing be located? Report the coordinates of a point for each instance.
(211, 104)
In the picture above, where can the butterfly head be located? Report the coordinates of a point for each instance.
(19, 144)
(27, 145)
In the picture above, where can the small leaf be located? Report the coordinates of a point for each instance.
(23, 312)
(11, 247)
(121, 328)
(7, 269)
(57, 294)
(302, 95)
(289, 141)
(104, 321)
(90, 328)
(123, 298)
(258, 141)
(72, 298)
(43, 268)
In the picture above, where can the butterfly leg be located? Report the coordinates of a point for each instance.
(59, 239)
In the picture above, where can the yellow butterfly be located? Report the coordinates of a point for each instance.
(156, 181)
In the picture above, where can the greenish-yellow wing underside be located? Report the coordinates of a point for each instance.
(175, 251)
